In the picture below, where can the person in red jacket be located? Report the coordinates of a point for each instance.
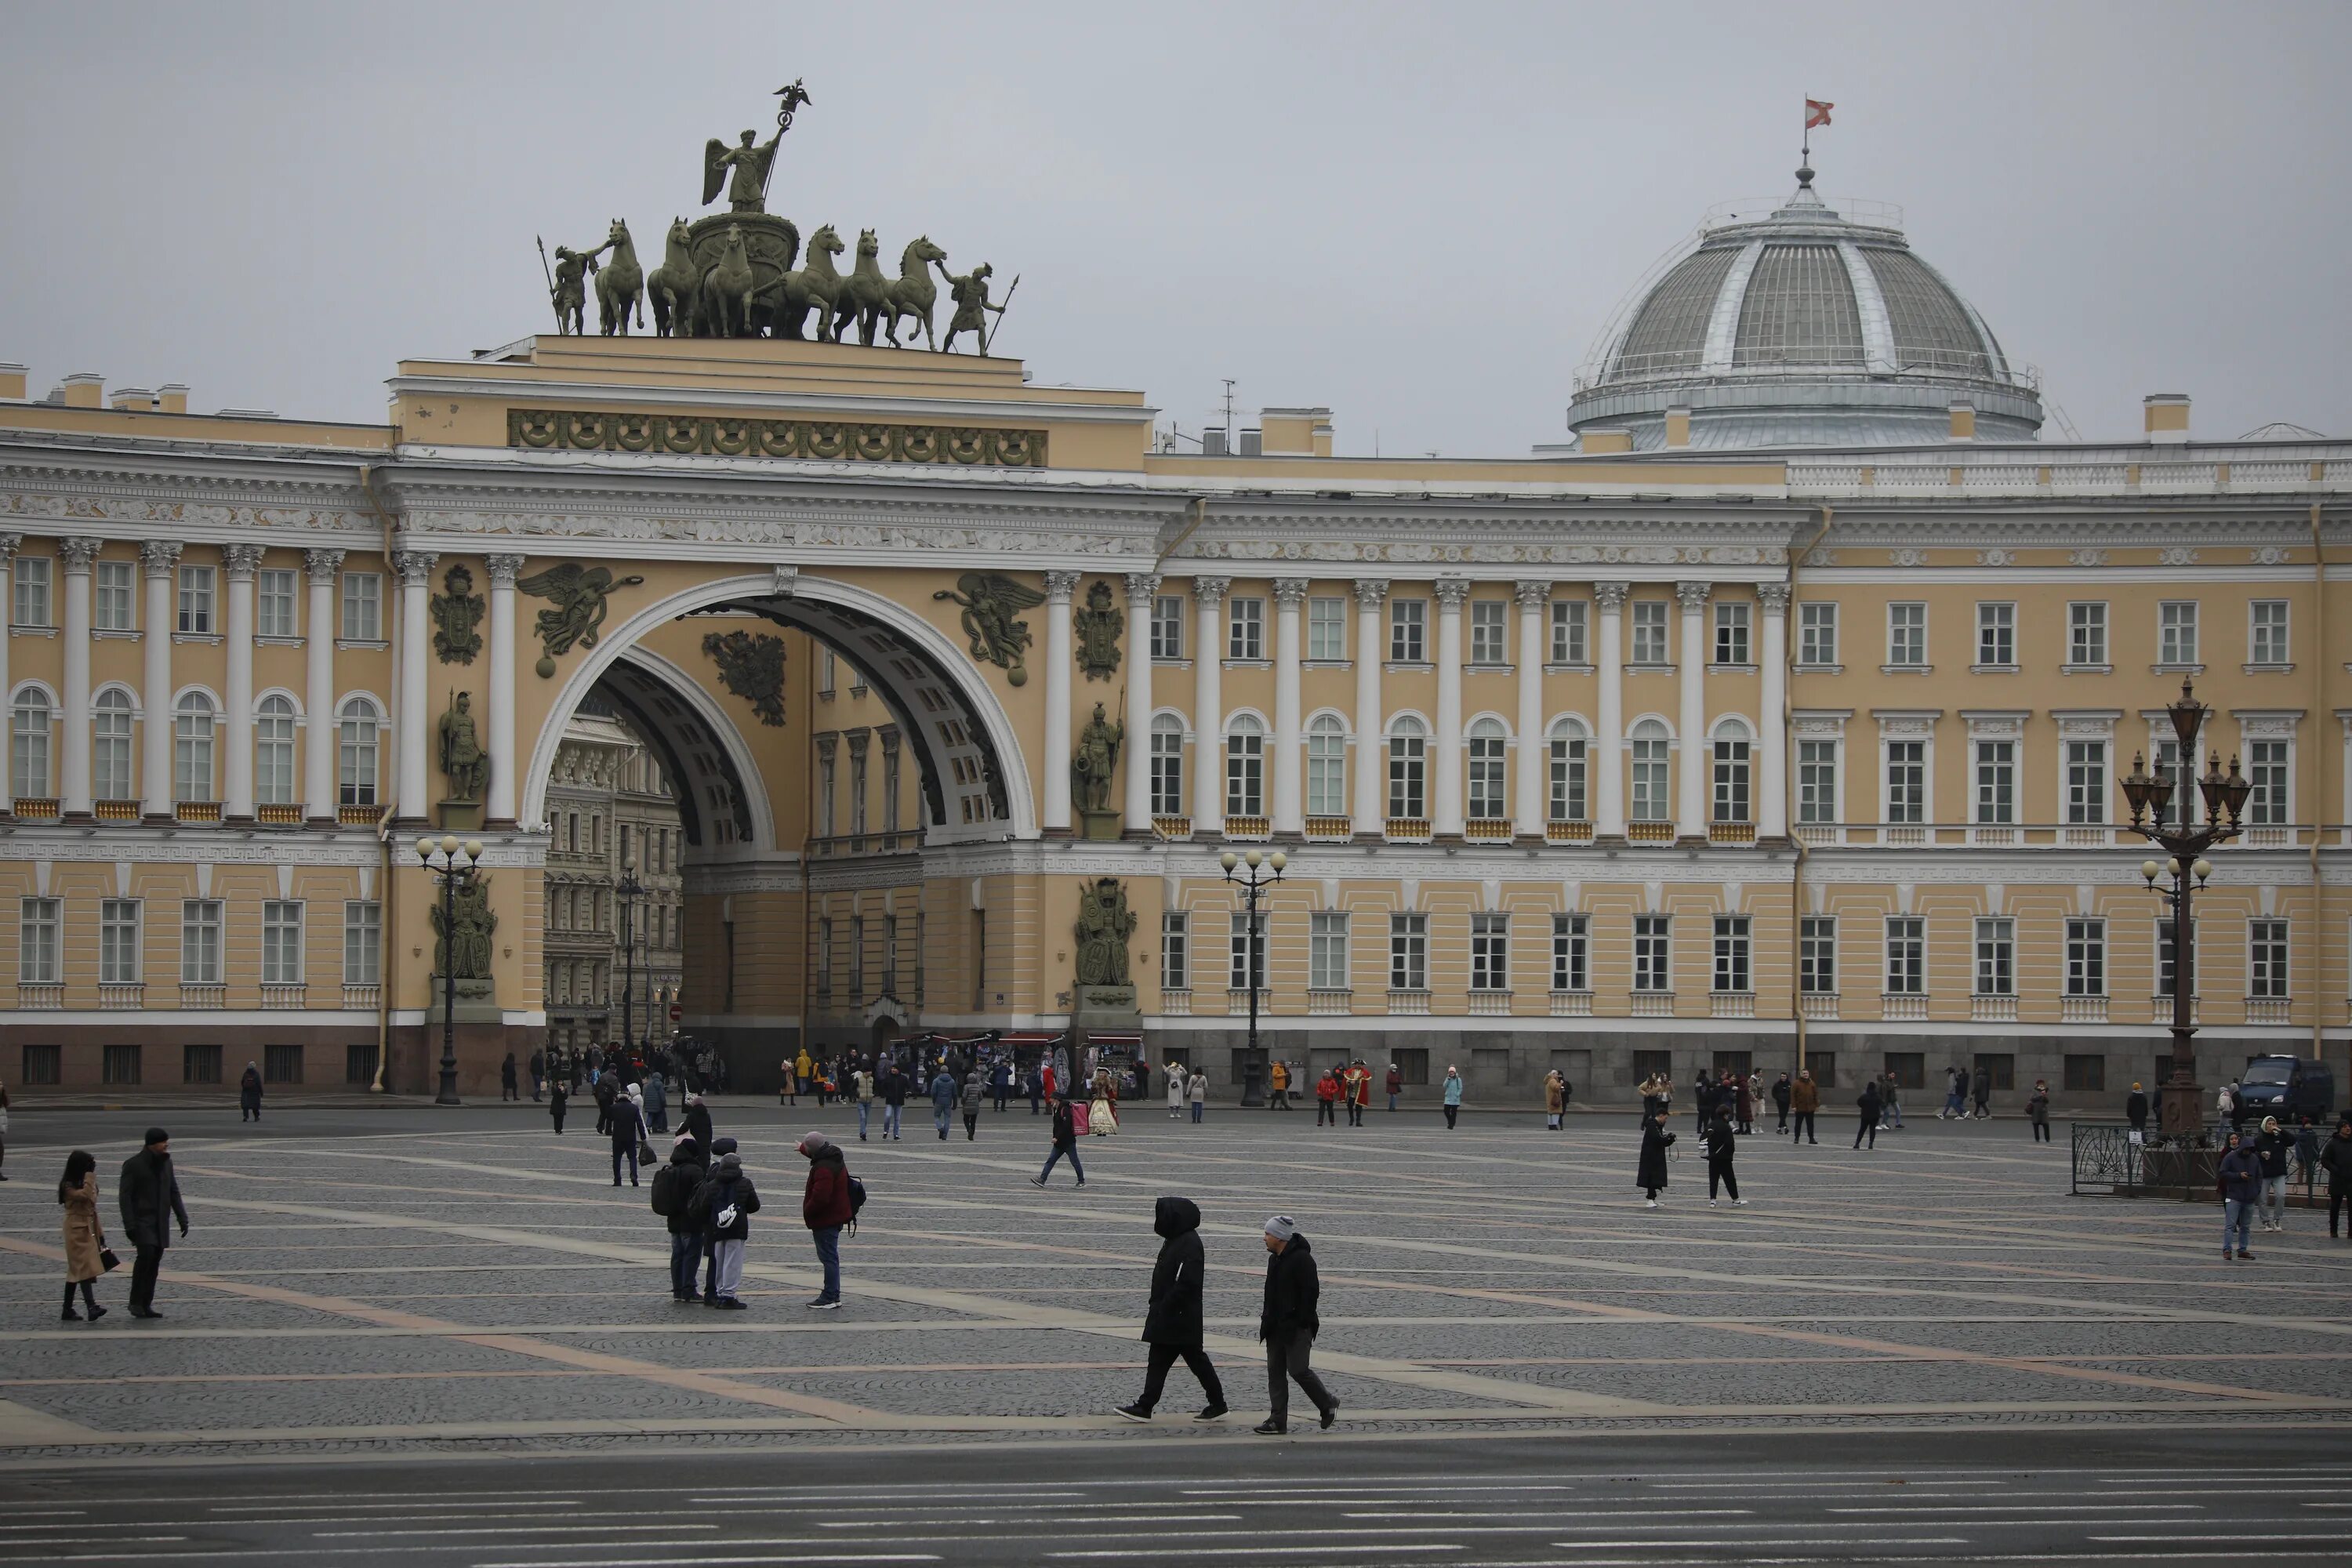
(1395, 1085)
(825, 1209)
(1327, 1098)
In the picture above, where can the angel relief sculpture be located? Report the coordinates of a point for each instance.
(992, 602)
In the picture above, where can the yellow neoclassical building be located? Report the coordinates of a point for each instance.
(1777, 717)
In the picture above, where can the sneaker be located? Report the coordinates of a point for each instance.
(1082, 1180)
(1214, 1413)
(2245, 1256)
(823, 1305)
(1135, 1412)
(1330, 1414)
(1036, 1181)
(1651, 1203)
(730, 1304)
(1739, 1202)
(1710, 1203)
(1270, 1428)
(71, 1316)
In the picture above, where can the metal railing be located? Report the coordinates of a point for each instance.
(2111, 1159)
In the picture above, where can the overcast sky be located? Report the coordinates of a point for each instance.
(1420, 215)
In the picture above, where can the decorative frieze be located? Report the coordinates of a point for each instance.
(707, 436)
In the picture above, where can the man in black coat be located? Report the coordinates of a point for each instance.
(2135, 1109)
(695, 1124)
(1287, 1325)
(1870, 1106)
(149, 1195)
(1172, 1327)
(673, 1199)
(248, 1094)
(1650, 1174)
(1065, 1143)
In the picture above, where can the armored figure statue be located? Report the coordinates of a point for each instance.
(570, 288)
(462, 757)
(1097, 754)
(464, 951)
(971, 306)
(1104, 925)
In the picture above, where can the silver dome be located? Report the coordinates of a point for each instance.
(1804, 328)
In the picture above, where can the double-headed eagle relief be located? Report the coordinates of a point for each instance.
(743, 273)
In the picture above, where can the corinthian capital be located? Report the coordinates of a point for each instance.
(1611, 596)
(1211, 590)
(415, 566)
(160, 555)
(1774, 597)
(1532, 593)
(242, 561)
(8, 544)
(1290, 591)
(1059, 586)
(323, 563)
(503, 569)
(1142, 587)
(1451, 592)
(77, 553)
(1372, 591)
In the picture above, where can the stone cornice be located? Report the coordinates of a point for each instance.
(846, 407)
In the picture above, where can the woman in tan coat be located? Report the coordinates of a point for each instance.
(1555, 1099)
(84, 1240)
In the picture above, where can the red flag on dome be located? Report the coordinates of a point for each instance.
(1817, 112)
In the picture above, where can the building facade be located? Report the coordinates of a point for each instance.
(612, 954)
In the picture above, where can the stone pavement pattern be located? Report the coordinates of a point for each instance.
(409, 1279)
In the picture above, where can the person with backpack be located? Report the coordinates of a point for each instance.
(1722, 1143)
(673, 1199)
(945, 1091)
(558, 1098)
(1065, 1143)
(1870, 1102)
(1174, 1321)
(827, 1204)
(626, 1123)
(724, 1203)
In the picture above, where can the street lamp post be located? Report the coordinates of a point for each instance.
(2185, 842)
(1255, 876)
(456, 867)
(629, 891)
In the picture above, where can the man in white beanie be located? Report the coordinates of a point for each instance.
(1287, 1325)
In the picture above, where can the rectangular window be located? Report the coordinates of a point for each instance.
(1996, 956)
(1906, 955)
(1653, 1064)
(2087, 783)
(1906, 781)
(2086, 633)
(1487, 644)
(1731, 779)
(1649, 632)
(2266, 967)
(32, 607)
(200, 942)
(38, 934)
(1244, 771)
(2001, 1067)
(1238, 945)
(828, 672)
(1997, 633)
(1490, 951)
(200, 1063)
(1568, 632)
(826, 792)
(118, 943)
(1175, 941)
(1166, 768)
(2086, 1074)
(1996, 781)
(1817, 634)
(363, 607)
(2180, 804)
(281, 1064)
(2267, 626)
(1731, 622)
(1326, 950)
(1167, 627)
(114, 605)
(1327, 630)
(890, 955)
(1817, 955)
(1408, 953)
(2266, 770)
(1906, 635)
(2086, 958)
(281, 942)
(362, 943)
(857, 793)
(1246, 628)
(1408, 771)
(1571, 953)
(825, 956)
(1731, 972)
(119, 1064)
(1817, 781)
(273, 604)
(858, 958)
(42, 1066)
(1908, 1069)
(196, 601)
(2176, 637)
(1653, 954)
(1408, 629)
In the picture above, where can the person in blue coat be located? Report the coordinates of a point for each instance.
(944, 1092)
(1451, 1095)
(2241, 1188)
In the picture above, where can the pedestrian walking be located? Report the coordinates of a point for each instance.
(1984, 1086)
(248, 1094)
(1178, 1082)
(2273, 1147)
(607, 1088)
(1870, 1102)
(975, 1089)
(537, 1075)
(558, 1097)
(1278, 1096)
(1197, 1092)
(1395, 1085)
(1781, 1092)
(1065, 1143)
(724, 1204)
(2037, 1109)
(148, 1194)
(1000, 1083)
(1650, 1175)
(625, 1123)
(1555, 1099)
(1890, 1104)
(1722, 1143)
(1704, 1096)
(1174, 1321)
(1327, 1098)
(827, 1204)
(1451, 1096)
(673, 1198)
(657, 1102)
(1805, 1102)
(861, 1090)
(508, 1081)
(2241, 1180)
(1287, 1325)
(85, 1240)
(944, 1092)
(2335, 1159)
(894, 1085)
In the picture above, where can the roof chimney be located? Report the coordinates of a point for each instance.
(2167, 418)
(1964, 420)
(1598, 439)
(12, 379)
(85, 389)
(172, 397)
(1295, 432)
(131, 400)
(1678, 426)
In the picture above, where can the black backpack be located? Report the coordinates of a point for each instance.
(856, 1202)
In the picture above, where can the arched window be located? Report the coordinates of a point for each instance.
(1486, 743)
(1408, 769)
(1731, 752)
(1567, 747)
(192, 748)
(1167, 766)
(28, 745)
(273, 751)
(1245, 767)
(1652, 743)
(355, 753)
(109, 753)
(1327, 766)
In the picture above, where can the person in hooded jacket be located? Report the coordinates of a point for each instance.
(248, 1094)
(2241, 1180)
(1452, 1094)
(1870, 1103)
(724, 1204)
(149, 1196)
(1174, 1319)
(626, 1123)
(1649, 1175)
(697, 1124)
(975, 1089)
(1983, 1091)
(945, 1092)
(2335, 1159)
(673, 1199)
(558, 1098)
(825, 1207)
(1722, 1141)
(1287, 1325)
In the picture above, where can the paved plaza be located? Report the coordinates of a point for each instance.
(394, 1286)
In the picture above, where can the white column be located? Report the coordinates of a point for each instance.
(415, 568)
(1697, 759)
(1208, 706)
(1372, 761)
(239, 562)
(1608, 760)
(1529, 786)
(1772, 723)
(1143, 588)
(505, 765)
(1289, 807)
(1447, 760)
(1059, 586)
(160, 557)
(8, 544)
(73, 771)
(319, 796)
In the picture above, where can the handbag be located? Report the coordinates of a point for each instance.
(645, 1152)
(107, 1260)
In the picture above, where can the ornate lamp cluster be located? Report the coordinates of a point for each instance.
(1254, 874)
(456, 865)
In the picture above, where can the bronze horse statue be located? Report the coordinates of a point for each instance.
(865, 293)
(913, 293)
(813, 287)
(725, 293)
(619, 287)
(672, 286)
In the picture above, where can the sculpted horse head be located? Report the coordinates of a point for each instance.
(672, 284)
(917, 258)
(913, 293)
(619, 287)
